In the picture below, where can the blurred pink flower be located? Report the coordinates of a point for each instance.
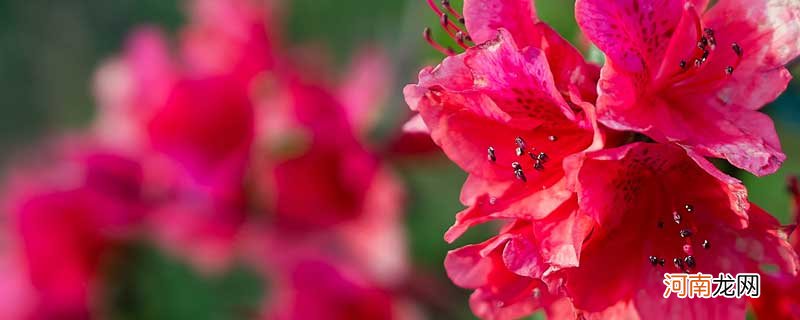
(230, 37)
(309, 281)
(16, 290)
(331, 186)
(684, 74)
(318, 289)
(68, 219)
(192, 116)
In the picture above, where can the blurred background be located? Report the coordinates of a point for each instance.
(50, 50)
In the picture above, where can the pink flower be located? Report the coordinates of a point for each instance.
(498, 112)
(16, 289)
(206, 126)
(311, 280)
(192, 116)
(512, 273)
(684, 74)
(332, 189)
(318, 289)
(231, 37)
(67, 219)
(656, 211)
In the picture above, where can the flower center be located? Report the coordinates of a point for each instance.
(696, 70)
(527, 158)
(678, 234)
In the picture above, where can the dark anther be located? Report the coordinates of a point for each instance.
(677, 218)
(542, 157)
(705, 56)
(520, 175)
(729, 70)
(682, 64)
(660, 224)
(491, 155)
(653, 260)
(702, 43)
(552, 138)
(689, 261)
(710, 34)
(538, 165)
(519, 151)
(706, 244)
(737, 49)
(520, 143)
(689, 208)
(686, 233)
(678, 263)
(661, 261)
(518, 171)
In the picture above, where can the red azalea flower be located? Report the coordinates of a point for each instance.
(496, 112)
(681, 73)
(512, 272)
(656, 211)
(67, 219)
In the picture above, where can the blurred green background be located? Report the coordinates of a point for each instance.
(50, 49)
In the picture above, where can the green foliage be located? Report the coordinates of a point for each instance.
(149, 285)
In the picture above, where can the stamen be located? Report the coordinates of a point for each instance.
(446, 5)
(444, 21)
(711, 39)
(491, 156)
(689, 260)
(706, 244)
(435, 8)
(518, 171)
(685, 233)
(678, 263)
(461, 40)
(519, 142)
(542, 157)
(427, 35)
(737, 49)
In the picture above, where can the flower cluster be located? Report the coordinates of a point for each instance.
(222, 148)
(600, 175)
